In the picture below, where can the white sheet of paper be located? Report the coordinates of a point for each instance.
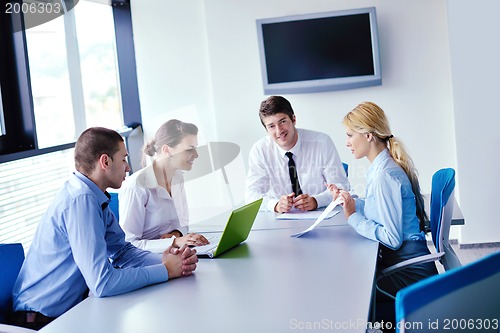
(327, 210)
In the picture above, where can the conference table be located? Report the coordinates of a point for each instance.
(270, 283)
(268, 220)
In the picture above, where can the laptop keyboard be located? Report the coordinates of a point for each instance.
(214, 241)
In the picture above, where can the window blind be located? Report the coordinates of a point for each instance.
(27, 187)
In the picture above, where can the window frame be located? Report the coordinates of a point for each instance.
(20, 140)
(14, 80)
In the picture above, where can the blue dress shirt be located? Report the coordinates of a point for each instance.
(388, 212)
(79, 244)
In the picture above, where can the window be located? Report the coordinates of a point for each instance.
(15, 98)
(57, 79)
(74, 81)
(49, 95)
(50, 84)
(2, 122)
(27, 187)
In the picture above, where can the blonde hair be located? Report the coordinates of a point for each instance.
(368, 117)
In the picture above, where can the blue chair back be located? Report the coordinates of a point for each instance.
(443, 184)
(113, 204)
(346, 168)
(462, 298)
(11, 260)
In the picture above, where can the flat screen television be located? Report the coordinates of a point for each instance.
(319, 52)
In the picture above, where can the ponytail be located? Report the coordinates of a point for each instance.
(398, 153)
(368, 117)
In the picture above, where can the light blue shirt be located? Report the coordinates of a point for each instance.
(78, 244)
(388, 212)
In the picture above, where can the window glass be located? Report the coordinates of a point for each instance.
(50, 83)
(96, 42)
(74, 75)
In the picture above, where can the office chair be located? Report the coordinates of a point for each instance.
(443, 184)
(346, 168)
(462, 299)
(11, 260)
(442, 203)
(113, 205)
(15, 329)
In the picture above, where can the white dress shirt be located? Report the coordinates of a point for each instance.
(147, 210)
(317, 162)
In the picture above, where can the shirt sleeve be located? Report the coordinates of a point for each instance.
(332, 170)
(257, 182)
(360, 205)
(93, 235)
(181, 207)
(384, 207)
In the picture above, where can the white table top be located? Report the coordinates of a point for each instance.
(270, 283)
(266, 221)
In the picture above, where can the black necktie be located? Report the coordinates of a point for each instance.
(292, 170)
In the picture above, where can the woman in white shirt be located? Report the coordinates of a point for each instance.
(153, 206)
(392, 211)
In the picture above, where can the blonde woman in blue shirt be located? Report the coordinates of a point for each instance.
(392, 211)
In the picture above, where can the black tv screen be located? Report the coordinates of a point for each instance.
(319, 52)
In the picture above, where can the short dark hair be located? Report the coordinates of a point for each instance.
(273, 105)
(92, 143)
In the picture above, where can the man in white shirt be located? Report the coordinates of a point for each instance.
(291, 160)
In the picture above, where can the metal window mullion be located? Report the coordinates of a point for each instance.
(2, 121)
(127, 72)
(75, 73)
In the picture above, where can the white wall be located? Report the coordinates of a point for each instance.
(415, 73)
(204, 54)
(475, 54)
(172, 63)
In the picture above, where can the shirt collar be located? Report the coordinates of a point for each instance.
(150, 180)
(295, 149)
(102, 197)
(382, 156)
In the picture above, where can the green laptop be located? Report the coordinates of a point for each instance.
(236, 231)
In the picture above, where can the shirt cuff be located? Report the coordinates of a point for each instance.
(157, 273)
(322, 200)
(271, 204)
(154, 245)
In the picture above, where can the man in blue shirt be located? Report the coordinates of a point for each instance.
(79, 245)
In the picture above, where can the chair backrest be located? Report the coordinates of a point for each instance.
(460, 299)
(113, 204)
(442, 204)
(443, 184)
(11, 260)
(346, 168)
